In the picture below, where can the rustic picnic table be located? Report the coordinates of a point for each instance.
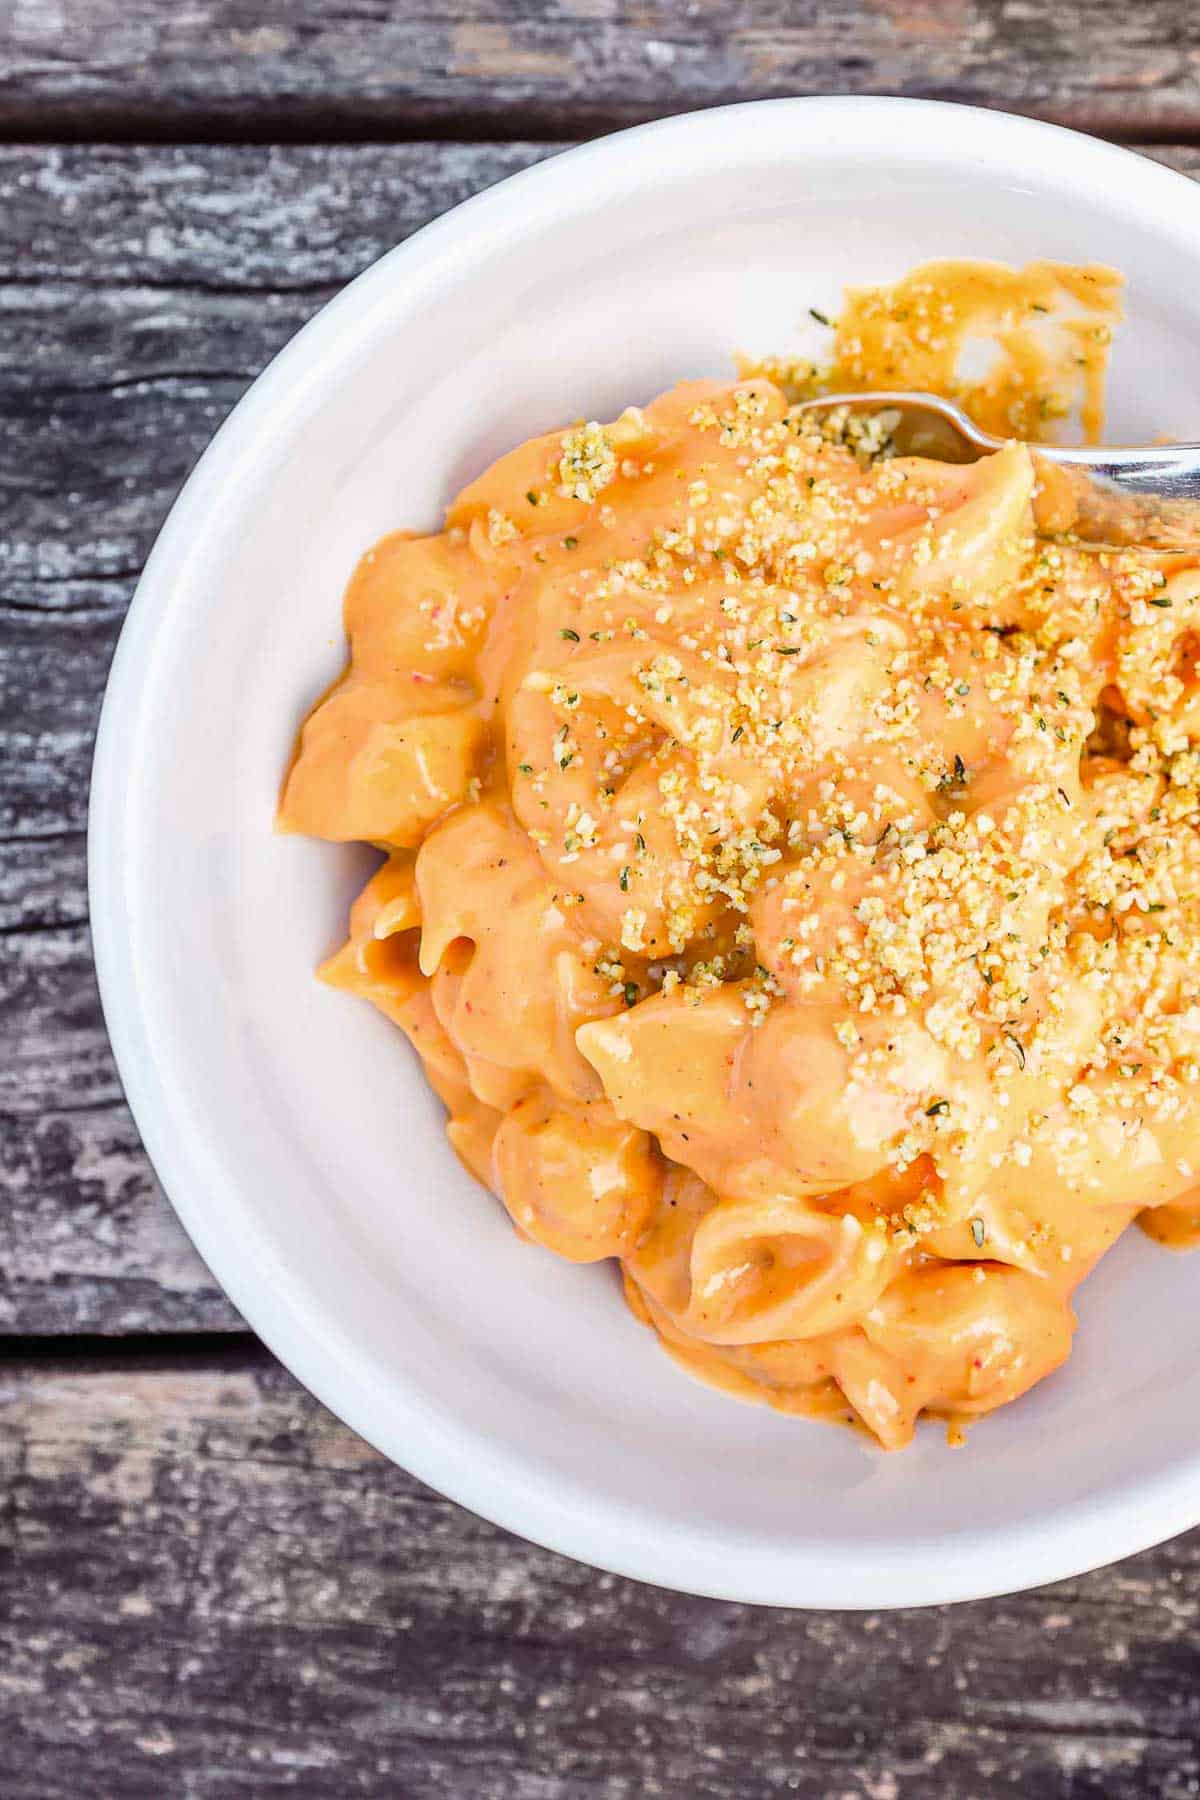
(208, 1586)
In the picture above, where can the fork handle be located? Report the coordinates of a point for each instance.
(1170, 471)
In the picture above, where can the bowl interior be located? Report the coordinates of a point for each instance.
(293, 1127)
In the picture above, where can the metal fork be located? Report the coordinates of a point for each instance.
(1145, 494)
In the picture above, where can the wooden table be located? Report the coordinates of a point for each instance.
(209, 1586)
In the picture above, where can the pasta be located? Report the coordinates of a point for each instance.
(792, 874)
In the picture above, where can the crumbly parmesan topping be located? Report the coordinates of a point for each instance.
(588, 462)
(891, 796)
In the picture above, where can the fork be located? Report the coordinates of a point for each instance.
(1143, 494)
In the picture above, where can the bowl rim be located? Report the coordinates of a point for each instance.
(1129, 1516)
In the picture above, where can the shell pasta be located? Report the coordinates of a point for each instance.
(791, 885)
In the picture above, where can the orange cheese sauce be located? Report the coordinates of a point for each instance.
(1022, 350)
(791, 881)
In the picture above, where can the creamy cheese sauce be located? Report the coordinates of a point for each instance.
(792, 876)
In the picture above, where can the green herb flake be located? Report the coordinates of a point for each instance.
(623, 880)
(631, 993)
(566, 632)
(938, 1107)
(570, 543)
(525, 768)
(815, 312)
(979, 1233)
(1018, 1047)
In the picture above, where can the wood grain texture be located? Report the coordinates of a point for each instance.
(88, 1243)
(567, 67)
(141, 290)
(217, 1589)
(208, 1587)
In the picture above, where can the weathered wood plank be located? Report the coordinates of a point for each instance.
(324, 68)
(88, 1243)
(43, 883)
(51, 682)
(225, 219)
(55, 1046)
(140, 291)
(214, 1588)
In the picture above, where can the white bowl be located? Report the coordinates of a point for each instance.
(292, 1127)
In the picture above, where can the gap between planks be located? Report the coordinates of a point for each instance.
(296, 124)
(149, 1353)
